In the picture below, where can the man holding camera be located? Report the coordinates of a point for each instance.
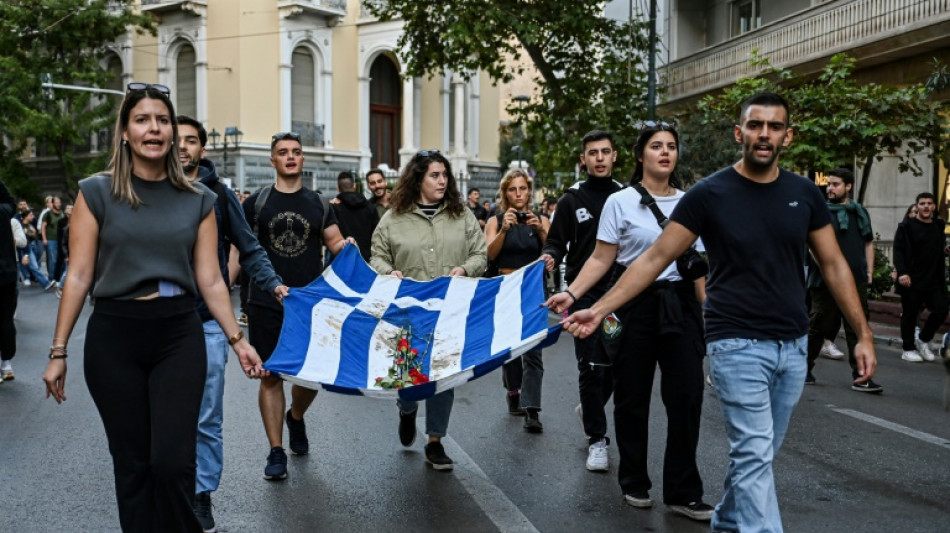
(755, 316)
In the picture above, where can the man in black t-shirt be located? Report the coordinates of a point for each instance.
(755, 316)
(853, 231)
(481, 214)
(292, 226)
(921, 277)
(355, 215)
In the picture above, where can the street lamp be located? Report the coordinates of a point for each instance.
(232, 136)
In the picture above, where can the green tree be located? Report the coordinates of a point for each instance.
(66, 39)
(835, 119)
(589, 69)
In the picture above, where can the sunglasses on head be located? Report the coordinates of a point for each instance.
(654, 124)
(138, 86)
(427, 153)
(284, 135)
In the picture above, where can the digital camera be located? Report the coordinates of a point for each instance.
(522, 218)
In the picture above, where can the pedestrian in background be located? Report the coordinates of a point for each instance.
(660, 327)
(426, 234)
(376, 183)
(8, 283)
(921, 277)
(144, 241)
(356, 216)
(514, 239)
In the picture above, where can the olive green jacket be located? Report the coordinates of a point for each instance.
(424, 249)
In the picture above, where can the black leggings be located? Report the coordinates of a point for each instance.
(8, 297)
(145, 365)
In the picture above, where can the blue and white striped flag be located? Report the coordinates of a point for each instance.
(341, 332)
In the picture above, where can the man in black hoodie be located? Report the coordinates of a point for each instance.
(8, 279)
(574, 226)
(232, 230)
(355, 215)
(921, 277)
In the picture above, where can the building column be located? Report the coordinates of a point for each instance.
(326, 110)
(365, 153)
(285, 95)
(459, 158)
(408, 149)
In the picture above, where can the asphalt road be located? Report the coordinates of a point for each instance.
(851, 461)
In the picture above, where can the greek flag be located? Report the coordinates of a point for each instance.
(352, 330)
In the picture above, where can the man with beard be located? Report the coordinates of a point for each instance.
(356, 216)
(853, 230)
(755, 316)
(376, 181)
(481, 214)
(921, 277)
(232, 230)
(574, 227)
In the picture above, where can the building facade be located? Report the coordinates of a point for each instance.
(326, 69)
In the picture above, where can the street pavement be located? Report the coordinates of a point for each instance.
(851, 461)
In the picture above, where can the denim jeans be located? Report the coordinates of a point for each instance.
(438, 411)
(524, 374)
(52, 258)
(759, 383)
(34, 269)
(210, 444)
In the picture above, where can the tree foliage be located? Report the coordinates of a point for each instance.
(589, 69)
(66, 39)
(836, 120)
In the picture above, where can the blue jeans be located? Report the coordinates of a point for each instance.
(759, 384)
(52, 257)
(210, 443)
(34, 269)
(438, 411)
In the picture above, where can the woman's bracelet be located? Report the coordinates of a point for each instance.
(571, 294)
(61, 348)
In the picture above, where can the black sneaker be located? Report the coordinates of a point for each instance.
(203, 512)
(869, 386)
(435, 456)
(696, 510)
(514, 405)
(407, 428)
(532, 424)
(809, 379)
(276, 464)
(297, 431)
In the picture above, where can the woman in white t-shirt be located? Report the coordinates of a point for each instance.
(662, 326)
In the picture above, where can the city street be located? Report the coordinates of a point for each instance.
(851, 461)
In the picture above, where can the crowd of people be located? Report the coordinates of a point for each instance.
(655, 277)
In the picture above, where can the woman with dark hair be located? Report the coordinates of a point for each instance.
(144, 240)
(515, 236)
(663, 326)
(426, 234)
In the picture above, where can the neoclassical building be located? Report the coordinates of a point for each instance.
(326, 69)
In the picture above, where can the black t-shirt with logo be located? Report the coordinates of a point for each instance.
(755, 236)
(290, 228)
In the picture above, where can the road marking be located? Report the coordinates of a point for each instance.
(494, 503)
(886, 424)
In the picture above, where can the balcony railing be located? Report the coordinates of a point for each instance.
(327, 8)
(311, 134)
(811, 35)
(364, 11)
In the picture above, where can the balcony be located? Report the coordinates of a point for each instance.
(199, 8)
(332, 9)
(873, 31)
(311, 134)
(364, 10)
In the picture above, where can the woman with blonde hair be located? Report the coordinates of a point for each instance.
(514, 237)
(144, 240)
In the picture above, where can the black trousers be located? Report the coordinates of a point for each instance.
(594, 381)
(912, 302)
(824, 320)
(145, 365)
(8, 299)
(680, 358)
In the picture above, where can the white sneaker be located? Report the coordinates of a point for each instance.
(597, 460)
(911, 356)
(924, 350)
(830, 351)
(6, 371)
(27, 283)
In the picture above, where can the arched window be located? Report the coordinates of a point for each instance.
(186, 90)
(385, 109)
(303, 114)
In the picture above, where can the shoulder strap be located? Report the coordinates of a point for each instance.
(259, 204)
(222, 193)
(647, 199)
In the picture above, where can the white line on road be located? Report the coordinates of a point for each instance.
(497, 507)
(886, 424)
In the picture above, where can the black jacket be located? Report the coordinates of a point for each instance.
(357, 218)
(918, 252)
(8, 255)
(574, 226)
(233, 229)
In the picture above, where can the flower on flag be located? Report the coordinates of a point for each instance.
(407, 367)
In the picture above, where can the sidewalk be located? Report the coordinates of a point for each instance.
(885, 322)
